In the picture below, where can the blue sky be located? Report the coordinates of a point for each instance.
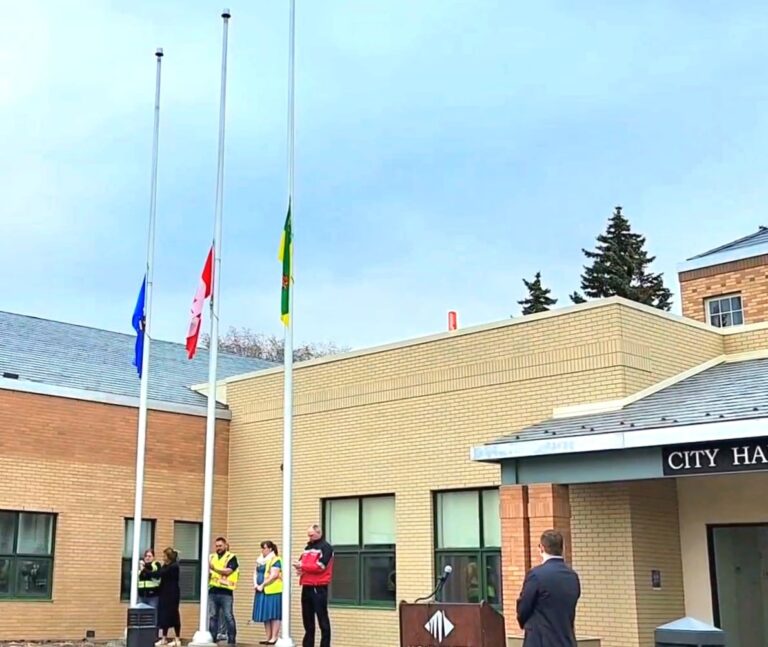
(444, 150)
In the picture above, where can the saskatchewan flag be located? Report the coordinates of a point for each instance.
(284, 255)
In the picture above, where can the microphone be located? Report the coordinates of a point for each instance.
(440, 584)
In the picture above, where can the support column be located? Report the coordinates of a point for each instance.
(549, 507)
(515, 548)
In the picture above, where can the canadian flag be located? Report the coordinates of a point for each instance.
(204, 290)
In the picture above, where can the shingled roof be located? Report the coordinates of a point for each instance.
(758, 238)
(726, 392)
(77, 357)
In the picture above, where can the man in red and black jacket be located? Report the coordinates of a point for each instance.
(315, 570)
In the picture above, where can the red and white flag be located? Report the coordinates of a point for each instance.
(203, 292)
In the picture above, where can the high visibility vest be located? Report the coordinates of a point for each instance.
(277, 585)
(154, 583)
(216, 580)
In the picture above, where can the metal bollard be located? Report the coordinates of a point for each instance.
(142, 626)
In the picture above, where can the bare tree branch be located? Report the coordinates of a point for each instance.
(246, 343)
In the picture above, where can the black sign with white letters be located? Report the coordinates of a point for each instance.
(745, 455)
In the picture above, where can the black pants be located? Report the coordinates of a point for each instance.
(314, 602)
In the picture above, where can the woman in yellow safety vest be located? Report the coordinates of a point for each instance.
(268, 599)
(149, 583)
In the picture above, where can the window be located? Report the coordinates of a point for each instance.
(188, 540)
(362, 532)
(26, 554)
(468, 538)
(147, 541)
(725, 311)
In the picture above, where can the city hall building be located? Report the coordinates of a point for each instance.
(642, 435)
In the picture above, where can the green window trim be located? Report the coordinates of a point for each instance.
(481, 555)
(360, 553)
(11, 561)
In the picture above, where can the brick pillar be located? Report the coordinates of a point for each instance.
(515, 549)
(549, 507)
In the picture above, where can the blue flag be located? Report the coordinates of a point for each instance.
(139, 320)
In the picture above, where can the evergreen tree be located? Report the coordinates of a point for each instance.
(538, 299)
(577, 298)
(620, 268)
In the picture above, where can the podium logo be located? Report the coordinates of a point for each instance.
(439, 626)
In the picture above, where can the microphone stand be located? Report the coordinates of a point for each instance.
(438, 589)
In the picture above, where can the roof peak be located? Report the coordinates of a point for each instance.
(755, 238)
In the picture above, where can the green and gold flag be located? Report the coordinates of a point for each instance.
(284, 255)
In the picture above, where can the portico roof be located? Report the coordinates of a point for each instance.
(727, 392)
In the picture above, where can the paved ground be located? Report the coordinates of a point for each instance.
(62, 643)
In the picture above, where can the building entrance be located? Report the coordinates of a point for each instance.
(739, 569)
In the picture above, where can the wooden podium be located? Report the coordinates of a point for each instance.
(445, 624)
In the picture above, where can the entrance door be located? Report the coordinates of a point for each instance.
(739, 566)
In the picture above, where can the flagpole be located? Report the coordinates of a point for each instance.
(285, 640)
(203, 636)
(141, 441)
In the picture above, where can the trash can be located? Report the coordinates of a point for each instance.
(689, 632)
(142, 626)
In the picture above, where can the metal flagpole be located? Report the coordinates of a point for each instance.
(285, 640)
(203, 636)
(144, 388)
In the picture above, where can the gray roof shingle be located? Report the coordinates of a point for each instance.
(78, 357)
(757, 238)
(727, 391)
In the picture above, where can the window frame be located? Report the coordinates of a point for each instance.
(720, 298)
(198, 563)
(125, 596)
(480, 553)
(360, 551)
(15, 557)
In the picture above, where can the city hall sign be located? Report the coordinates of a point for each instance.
(716, 457)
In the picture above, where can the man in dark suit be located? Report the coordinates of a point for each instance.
(546, 608)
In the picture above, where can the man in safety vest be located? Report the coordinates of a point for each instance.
(149, 586)
(224, 573)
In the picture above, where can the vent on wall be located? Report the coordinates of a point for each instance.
(11, 376)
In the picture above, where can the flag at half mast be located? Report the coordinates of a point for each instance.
(139, 322)
(204, 290)
(284, 255)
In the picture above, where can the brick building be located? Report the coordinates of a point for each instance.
(68, 415)
(382, 457)
(728, 285)
(462, 447)
(459, 448)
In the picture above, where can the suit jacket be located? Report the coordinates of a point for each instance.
(546, 608)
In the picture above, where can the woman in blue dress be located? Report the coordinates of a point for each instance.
(268, 598)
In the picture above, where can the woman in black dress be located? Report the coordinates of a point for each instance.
(168, 616)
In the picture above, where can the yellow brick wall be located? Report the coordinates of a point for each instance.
(403, 420)
(656, 546)
(621, 532)
(601, 528)
(746, 340)
(643, 336)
